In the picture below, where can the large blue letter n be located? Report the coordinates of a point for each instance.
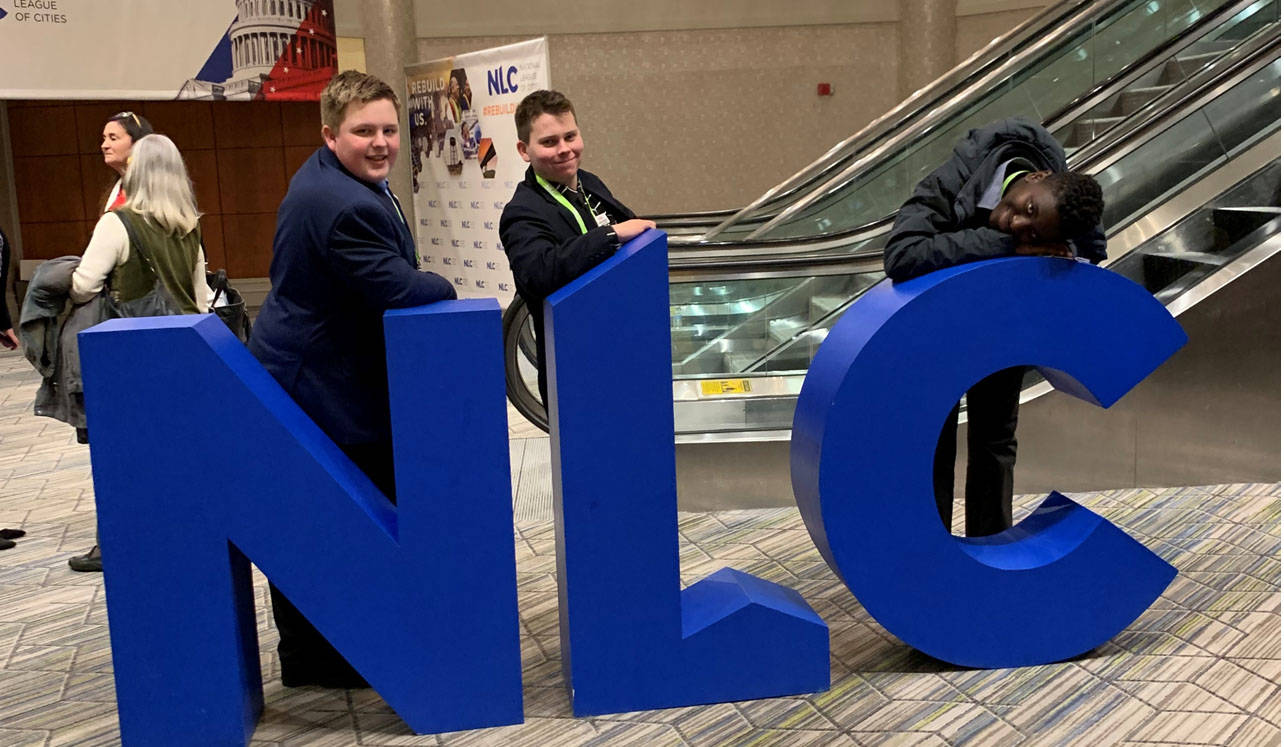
(202, 462)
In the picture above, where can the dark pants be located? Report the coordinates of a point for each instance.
(991, 455)
(302, 648)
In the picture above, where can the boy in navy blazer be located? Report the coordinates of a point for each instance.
(342, 255)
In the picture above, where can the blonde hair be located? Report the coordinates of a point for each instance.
(158, 187)
(347, 87)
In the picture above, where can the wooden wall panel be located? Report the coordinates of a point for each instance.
(42, 131)
(251, 180)
(48, 188)
(202, 166)
(301, 124)
(248, 243)
(190, 124)
(96, 181)
(212, 236)
(295, 155)
(49, 240)
(247, 125)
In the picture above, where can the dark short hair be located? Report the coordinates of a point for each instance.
(1079, 202)
(535, 104)
(135, 125)
(347, 87)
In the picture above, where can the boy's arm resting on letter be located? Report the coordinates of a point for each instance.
(360, 250)
(1092, 245)
(541, 262)
(924, 236)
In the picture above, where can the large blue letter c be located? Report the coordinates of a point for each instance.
(1058, 584)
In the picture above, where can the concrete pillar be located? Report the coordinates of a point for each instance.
(390, 46)
(928, 32)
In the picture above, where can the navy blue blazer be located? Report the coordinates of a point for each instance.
(341, 257)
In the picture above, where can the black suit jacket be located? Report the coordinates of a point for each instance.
(546, 249)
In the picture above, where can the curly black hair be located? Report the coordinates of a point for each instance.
(1079, 202)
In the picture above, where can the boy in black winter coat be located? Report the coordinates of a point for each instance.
(562, 221)
(1005, 191)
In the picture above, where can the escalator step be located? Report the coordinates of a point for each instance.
(1180, 68)
(1087, 129)
(1135, 98)
(1238, 222)
(821, 306)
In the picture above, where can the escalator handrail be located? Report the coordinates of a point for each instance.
(934, 118)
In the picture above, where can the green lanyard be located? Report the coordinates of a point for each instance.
(565, 202)
(1008, 180)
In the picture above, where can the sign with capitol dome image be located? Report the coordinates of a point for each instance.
(230, 50)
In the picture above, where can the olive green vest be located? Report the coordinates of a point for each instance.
(174, 259)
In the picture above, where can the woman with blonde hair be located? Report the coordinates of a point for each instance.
(155, 234)
(161, 214)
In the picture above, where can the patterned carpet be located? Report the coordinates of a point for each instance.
(1201, 666)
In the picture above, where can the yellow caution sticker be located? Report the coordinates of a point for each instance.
(714, 387)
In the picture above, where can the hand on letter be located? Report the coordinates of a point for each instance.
(1044, 250)
(631, 228)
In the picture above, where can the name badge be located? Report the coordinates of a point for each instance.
(602, 220)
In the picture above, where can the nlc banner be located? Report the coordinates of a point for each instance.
(160, 49)
(463, 159)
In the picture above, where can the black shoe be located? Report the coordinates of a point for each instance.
(12, 534)
(339, 679)
(6, 544)
(90, 562)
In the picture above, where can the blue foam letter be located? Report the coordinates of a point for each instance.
(631, 640)
(1056, 585)
(201, 461)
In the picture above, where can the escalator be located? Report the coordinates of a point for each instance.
(1049, 68)
(1184, 140)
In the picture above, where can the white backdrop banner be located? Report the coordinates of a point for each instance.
(162, 49)
(464, 162)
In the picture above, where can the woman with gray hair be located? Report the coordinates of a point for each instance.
(161, 210)
(162, 240)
